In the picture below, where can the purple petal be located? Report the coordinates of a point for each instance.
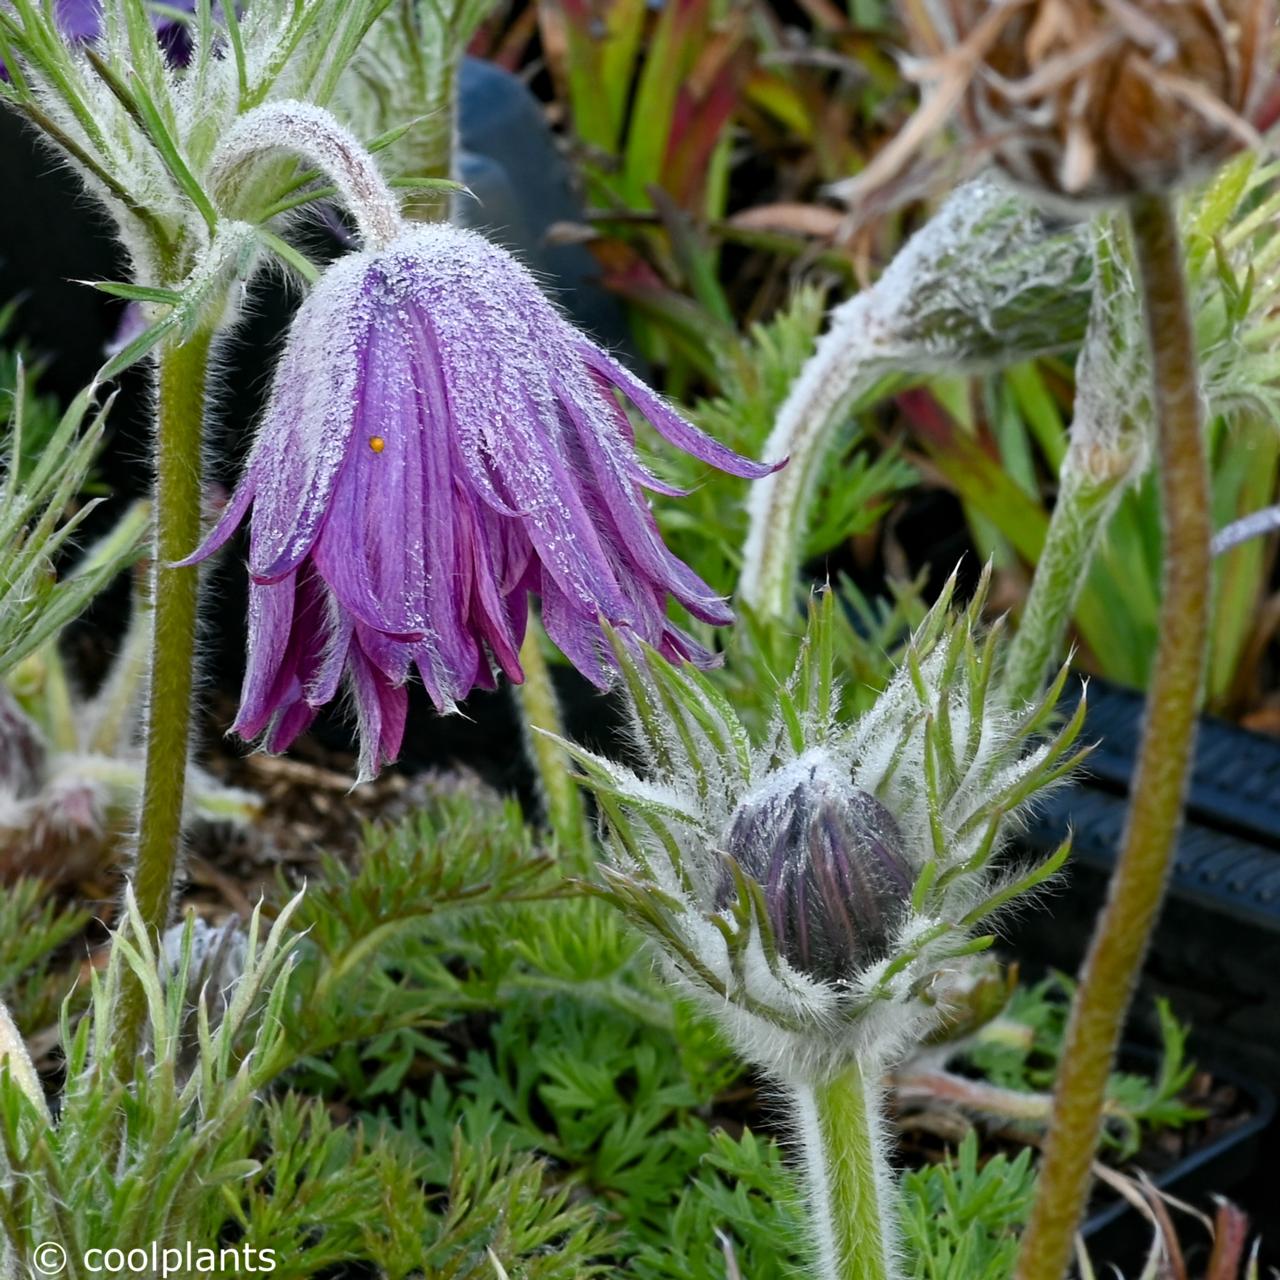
(563, 532)
(442, 411)
(489, 612)
(455, 654)
(615, 414)
(575, 634)
(307, 433)
(679, 646)
(288, 634)
(627, 515)
(79, 19)
(393, 657)
(227, 523)
(322, 687)
(288, 726)
(370, 546)
(667, 422)
(340, 556)
(381, 710)
(271, 667)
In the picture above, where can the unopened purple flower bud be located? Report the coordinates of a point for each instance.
(831, 861)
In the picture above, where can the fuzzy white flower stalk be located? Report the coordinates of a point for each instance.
(815, 888)
(987, 282)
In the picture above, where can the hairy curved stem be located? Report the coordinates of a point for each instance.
(1080, 517)
(779, 506)
(318, 136)
(850, 1186)
(1120, 939)
(180, 385)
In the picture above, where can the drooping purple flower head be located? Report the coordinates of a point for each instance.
(439, 444)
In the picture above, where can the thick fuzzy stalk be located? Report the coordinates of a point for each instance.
(180, 386)
(1085, 505)
(1120, 939)
(543, 726)
(778, 508)
(850, 1186)
(316, 134)
(930, 311)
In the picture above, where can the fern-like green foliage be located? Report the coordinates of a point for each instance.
(1021, 1051)
(416, 1220)
(34, 927)
(446, 1061)
(381, 952)
(44, 467)
(742, 1214)
(962, 1217)
(183, 1144)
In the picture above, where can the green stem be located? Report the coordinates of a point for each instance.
(1085, 505)
(540, 714)
(180, 385)
(820, 400)
(850, 1185)
(1120, 938)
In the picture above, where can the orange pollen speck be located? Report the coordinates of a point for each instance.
(377, 444)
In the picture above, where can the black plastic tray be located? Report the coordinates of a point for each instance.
(1235, 782)
(1220, 870)
(1119, 1232)
(1228, 856)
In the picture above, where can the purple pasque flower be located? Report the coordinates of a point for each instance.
(80, 21)
(439, 444)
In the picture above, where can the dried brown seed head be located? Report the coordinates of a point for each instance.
(1091, 100)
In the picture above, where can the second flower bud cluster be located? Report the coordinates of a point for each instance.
(819, 886)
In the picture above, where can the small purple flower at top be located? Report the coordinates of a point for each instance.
(81, 21)
(439, 444)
